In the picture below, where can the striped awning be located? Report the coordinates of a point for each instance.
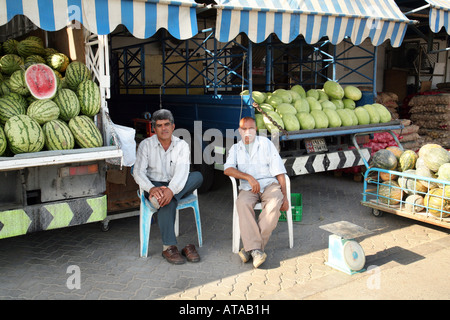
(378, 20)
(439, 15)
(141, 17)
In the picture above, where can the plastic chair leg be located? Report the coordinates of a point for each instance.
(145, 220)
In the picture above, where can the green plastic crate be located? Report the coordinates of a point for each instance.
(296, 208)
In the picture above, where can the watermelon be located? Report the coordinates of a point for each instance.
(276, 117)
(327, 104)
(299, 89)
(58, 61)
(320, 119)
(346, 118)
(68, 103)
(301, 105)
(390, 193)
(10, 46)
(76, 73)
(436, 157)
(384, 159)
(10, 63)
(30, 47)
(58, 135)
(3, 141)
(259, 119)
(43, 111)
(274, 100)
(408, 160)
(88, 94)
(373, 113)
(264, 106)
(17, 83)
(349, 103)
(333, 118)
(333, 89)
(313, 103)
(85, 132)
(291, 122)
(438, 202)
(36, 39)
(41, 81)
(385, 115)
(24, 134)
(10, 108)
(313, 93)
(34, 59)
(322, 96)
(295, 95)
(306, 121)
(286, 108)
(353, 93)
(338, 103)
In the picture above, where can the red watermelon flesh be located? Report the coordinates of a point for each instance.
(41, 81)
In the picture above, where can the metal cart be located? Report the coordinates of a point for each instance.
(387, 202)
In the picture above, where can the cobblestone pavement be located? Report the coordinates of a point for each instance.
(43, 265)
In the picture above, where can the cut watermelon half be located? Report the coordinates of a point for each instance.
(41, 81)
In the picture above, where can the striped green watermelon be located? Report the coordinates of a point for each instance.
(3, 141)
(10, 46)
(41, 81)
(30, 47)
(34, 59)
(76, 73)
(4, 88)
(10, 63)
(24, 134)
(58, 135)
(17, 83)
(36, 39)
(85, 132)
(10, 108)
(43, 111)
(68, 104)
(88, 94)
(18, 98)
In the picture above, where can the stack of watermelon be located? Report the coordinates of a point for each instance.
(329, 107)
(46, 101)
(431, 161)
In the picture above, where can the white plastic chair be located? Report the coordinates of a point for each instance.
(236, 230)
(147, 211)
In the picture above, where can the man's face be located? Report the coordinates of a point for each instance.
(164, 129)
(247, 130)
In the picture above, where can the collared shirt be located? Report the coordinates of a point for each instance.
(153, 163)
(263, 162)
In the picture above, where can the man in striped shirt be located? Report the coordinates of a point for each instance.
(162, 171)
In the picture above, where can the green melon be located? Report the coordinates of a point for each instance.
(302, 105)
(10, 108)
(313, 93)
(334, 120)
(88, 94)
(353, 93)
(276, 117)
(68, 103)
(444, 172)
(259, 119)
(85, 132)
(320, 119)
(3, 141)
(333, 90)
(58, 135)
(10, 63)
(313, 103)
(385, 115)
(30, 47)
(10, 46)
(373, 113)
(299, 89)
(58, 61)
(43, 111)
(17, 83)
(346, 118)
(362, 115)
(76, 73)
(286, 108)
(24, 134)
(306, 121)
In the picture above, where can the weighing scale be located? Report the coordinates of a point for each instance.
(344, 253)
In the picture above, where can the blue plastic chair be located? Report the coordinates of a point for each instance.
(147, 211)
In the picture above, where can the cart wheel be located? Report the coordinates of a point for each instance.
(377, 213)
(104, 225)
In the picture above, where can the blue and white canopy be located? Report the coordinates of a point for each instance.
(378, 20)
(439, 15)
(141, 17)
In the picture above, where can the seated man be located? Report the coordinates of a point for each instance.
(162, 171)
(256, 161)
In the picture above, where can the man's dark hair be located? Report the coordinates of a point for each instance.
(162, 114)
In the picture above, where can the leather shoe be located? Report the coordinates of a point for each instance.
(172, 255)
(190, 253)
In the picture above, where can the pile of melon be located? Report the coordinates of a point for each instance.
(330, 107)
(411, 186)
(46, 101)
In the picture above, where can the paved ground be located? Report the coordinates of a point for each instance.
(406, 259)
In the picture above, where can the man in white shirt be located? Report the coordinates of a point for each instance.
(162, 171)
(256, 161)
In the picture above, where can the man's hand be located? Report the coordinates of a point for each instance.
(285, 205)
(163, 194)
(254, 184)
